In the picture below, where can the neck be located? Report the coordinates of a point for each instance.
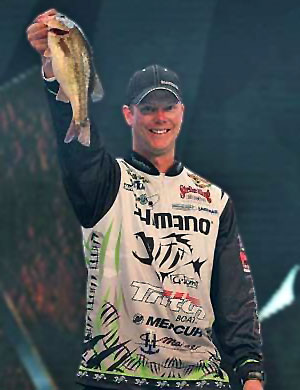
(162, 163)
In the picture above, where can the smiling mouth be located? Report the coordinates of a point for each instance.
(159, 131)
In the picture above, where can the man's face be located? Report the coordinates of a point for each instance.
(155, 123)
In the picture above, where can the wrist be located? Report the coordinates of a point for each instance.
(257, 376)
(251, 370)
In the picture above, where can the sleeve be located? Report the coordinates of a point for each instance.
(236, 326)
(91, 176)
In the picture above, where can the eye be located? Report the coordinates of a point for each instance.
(147, 109)
(170, 107)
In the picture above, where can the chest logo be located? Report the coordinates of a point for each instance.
(199, 181)
(174, 252)
(184, 190)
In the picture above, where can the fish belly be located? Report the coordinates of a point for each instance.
(71, 67)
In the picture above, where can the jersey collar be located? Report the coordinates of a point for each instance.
(142, 164)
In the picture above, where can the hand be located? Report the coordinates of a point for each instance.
(253, 384)
(37, 35)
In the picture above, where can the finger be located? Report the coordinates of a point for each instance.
(40, 46)
(49, 12)
(39, 34)
(33, 28)
(41, 43)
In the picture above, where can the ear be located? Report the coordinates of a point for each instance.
(182, 111)
(183, 107)
(128, 115)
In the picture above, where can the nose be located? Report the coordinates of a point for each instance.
(160, 115)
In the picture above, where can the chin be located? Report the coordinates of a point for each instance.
(160, 151)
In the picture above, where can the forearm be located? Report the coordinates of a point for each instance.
(91, 175)
(233, 296)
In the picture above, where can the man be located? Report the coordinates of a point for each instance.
(165, 262)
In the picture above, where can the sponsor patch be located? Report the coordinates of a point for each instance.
(137, 185)
(211, 211)
(128, 187)
(184, 190)
(149, 346)
(183, 280)
(164, 323)
(146, 200)
(195, 198)
(178, 302)
(199, 181)
(135, 177)
(243, 256)
(138, 319)
(183, 207)
(176, 344)
(168, 220)
(184, 318)
(169, 83)
(134, 185)
(173, 250)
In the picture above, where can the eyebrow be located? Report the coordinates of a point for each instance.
(158, 104)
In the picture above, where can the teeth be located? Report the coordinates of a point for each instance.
(159, 131)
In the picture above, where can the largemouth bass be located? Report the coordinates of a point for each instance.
(73, 68)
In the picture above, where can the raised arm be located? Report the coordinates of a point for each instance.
(90, 174)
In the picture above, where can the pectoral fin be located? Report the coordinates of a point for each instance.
(97, 89)
(47, 53)
(61, 96)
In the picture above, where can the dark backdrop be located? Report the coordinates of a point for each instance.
(239, 63)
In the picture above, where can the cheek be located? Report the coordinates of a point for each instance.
(141, 122)
(137, 123)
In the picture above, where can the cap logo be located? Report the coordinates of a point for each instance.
(169, 83)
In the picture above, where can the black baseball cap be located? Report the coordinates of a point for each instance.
(152, 78)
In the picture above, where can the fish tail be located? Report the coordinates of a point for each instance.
(84, 136)
(72, 132)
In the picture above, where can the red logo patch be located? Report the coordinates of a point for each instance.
(181, 295)
(243, 256)
(185, 190)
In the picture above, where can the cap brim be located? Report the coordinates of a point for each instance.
(140, 97)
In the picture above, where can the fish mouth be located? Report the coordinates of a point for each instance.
(58, 31)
